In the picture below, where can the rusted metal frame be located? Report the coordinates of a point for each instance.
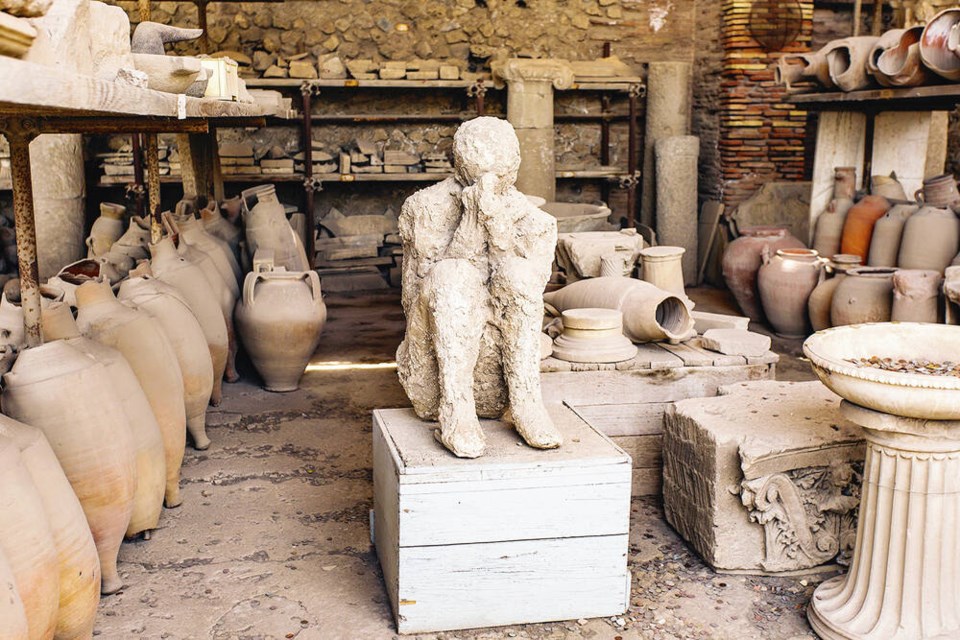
(634, 94)
(605, 139)
(106, 124)
(152, 153)
(877, 26)
(138, 189)
(202, 23)
(478, 91)
(19, 132)
(311, 185)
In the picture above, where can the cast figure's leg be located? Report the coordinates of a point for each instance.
(515, 289)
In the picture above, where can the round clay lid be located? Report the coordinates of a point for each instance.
(592, 319)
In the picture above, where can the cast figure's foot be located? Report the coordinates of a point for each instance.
(535, 425)
(463, 436)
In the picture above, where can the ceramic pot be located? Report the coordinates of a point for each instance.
(742, 260)
(916, 296)
(847, 62)
(193, 232)
(141, 340)
(12, 331)
(814, 67)
(829, 229)
(888, 187)
(267, 228)
(58, 324)
(165, 305)
(77, 560)
(216, 225)
(169, 267)
(662, 268)
(900, 65)
(786, 281)
(886, 40)
(940, 191)
(133, 243)
(858, 227)
(280, 318)
(865, 295)
(106, 229)
(649, 314)
(935, 44)
(818, 304)
(13, 618)
(27, 543)
(887, 232)
(931, 239)
(67, 395)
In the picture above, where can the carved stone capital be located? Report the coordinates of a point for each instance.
(520, 70)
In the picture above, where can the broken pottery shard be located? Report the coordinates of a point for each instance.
(149, 37)
(734, 342)
(477, 255)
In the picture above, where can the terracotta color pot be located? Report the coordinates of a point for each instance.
(900, 65)
(106, 229)
(165, 305)
(935, 44)
(649, 314)
(13, 618)
(865, 295)
(77, 559)
(67, 395)
(169, 267)
(858, 227)
(786, 281)
(887, 40)
(27, 543)
(931, 239)
(916, 296)
(280, 319)
(818, 304)
(887, 232)
(267, 228)
(143, 343)
(58, 324)
(742, 260)
(847, 62)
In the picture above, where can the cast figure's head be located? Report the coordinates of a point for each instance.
(486, 145)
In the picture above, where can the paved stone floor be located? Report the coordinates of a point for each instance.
(272, 539)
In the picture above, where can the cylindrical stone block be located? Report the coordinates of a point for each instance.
(537, 173)
(530, 104)
(677, 198)
(667, 114)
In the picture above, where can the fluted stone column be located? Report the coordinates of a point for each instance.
(904, 581)
(530, 85)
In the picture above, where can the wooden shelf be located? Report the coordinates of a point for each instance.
(351, 83)
(938, 97)
(324, 118)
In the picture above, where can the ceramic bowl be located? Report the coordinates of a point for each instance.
(910, 395)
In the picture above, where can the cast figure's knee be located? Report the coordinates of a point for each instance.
(518, 278)
(453, 284)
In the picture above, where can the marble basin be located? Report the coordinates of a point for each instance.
(911, 395)
(575, 216)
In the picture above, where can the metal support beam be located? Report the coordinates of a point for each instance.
(153, 187)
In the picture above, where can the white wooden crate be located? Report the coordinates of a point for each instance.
(517, 536)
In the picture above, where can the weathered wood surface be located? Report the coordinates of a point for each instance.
(841, 142)
(618, 420)
(941, 96)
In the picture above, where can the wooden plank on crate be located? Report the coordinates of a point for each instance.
(651, 356)
(619, 420)
(355, 262)
(645, 451)
(647, 482)
(691, 354)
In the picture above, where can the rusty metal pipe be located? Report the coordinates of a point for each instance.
(26, 230)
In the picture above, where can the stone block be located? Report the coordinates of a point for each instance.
(734, 342)
(704, 321)
(428, 74)
(400, 157)
(449, 72)
(763, 478)
(392, 74)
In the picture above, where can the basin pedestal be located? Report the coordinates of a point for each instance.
(904, 581)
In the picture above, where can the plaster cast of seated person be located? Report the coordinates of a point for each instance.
(477, 255)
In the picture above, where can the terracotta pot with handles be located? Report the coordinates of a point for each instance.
(786, 281)
(818, 305)
(742, 260)
(865, 295)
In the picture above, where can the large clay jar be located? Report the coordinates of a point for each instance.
(931, 239)
(267, 228)
(742, 260)
(143, 343)
(818, 304)
(192, 232)
(279, 319)
(169, 267)
(865, 295)
(106, 229)
(786, 281)
(829, 229)
(165, 305)
(649, 314)
(858, 227)
(136, 238)
(67, 395)
(13, 618)
(662, 268)
(900, 65)
(27, 543)
(847, 62)
(940, 191)
(916, 296)
(77, 559)
(934, 44)
(218, 226)
(58, 324)
(887, 233)
(888, 187)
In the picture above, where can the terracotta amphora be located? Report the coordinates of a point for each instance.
(847, 62)
(829, 229)
(940, 191)
(12, 331)
(68, 395)
(888, 187)
(169, 267)
(77, 559)
(935, 44)
(865, 295)
(887, 232)
(858, 227)
(931, 239)
(27, 543)
(193, 232)
(165, 305)
(886, 40)
(106, 229)
(786, 281)
(144, 344)
(818, 304)
(900, 65)
(216, 225)
(742, 260)
(13, 618)
(280, 318)
(916, 296)
(58, 324)
(268, 228)
(136, 238)
(649, 314)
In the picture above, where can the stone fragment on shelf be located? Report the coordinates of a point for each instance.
(366, 147)
(326, 167)
(319, 155)
(396, 64)
(431, 74)
(393, 74)
(344, 162)
(302, 69)
(236, 149)
(449, 72)
(391, 156)
(370, 168)
(239, 57)
(394, 168)
(234, 161)
(362, 66)
(263, 60)
(240, 170)
(277, 163)
(332, 68)
(277, 171)
(274, 71)
(735, 342)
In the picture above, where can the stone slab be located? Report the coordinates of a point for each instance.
(734, 342)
